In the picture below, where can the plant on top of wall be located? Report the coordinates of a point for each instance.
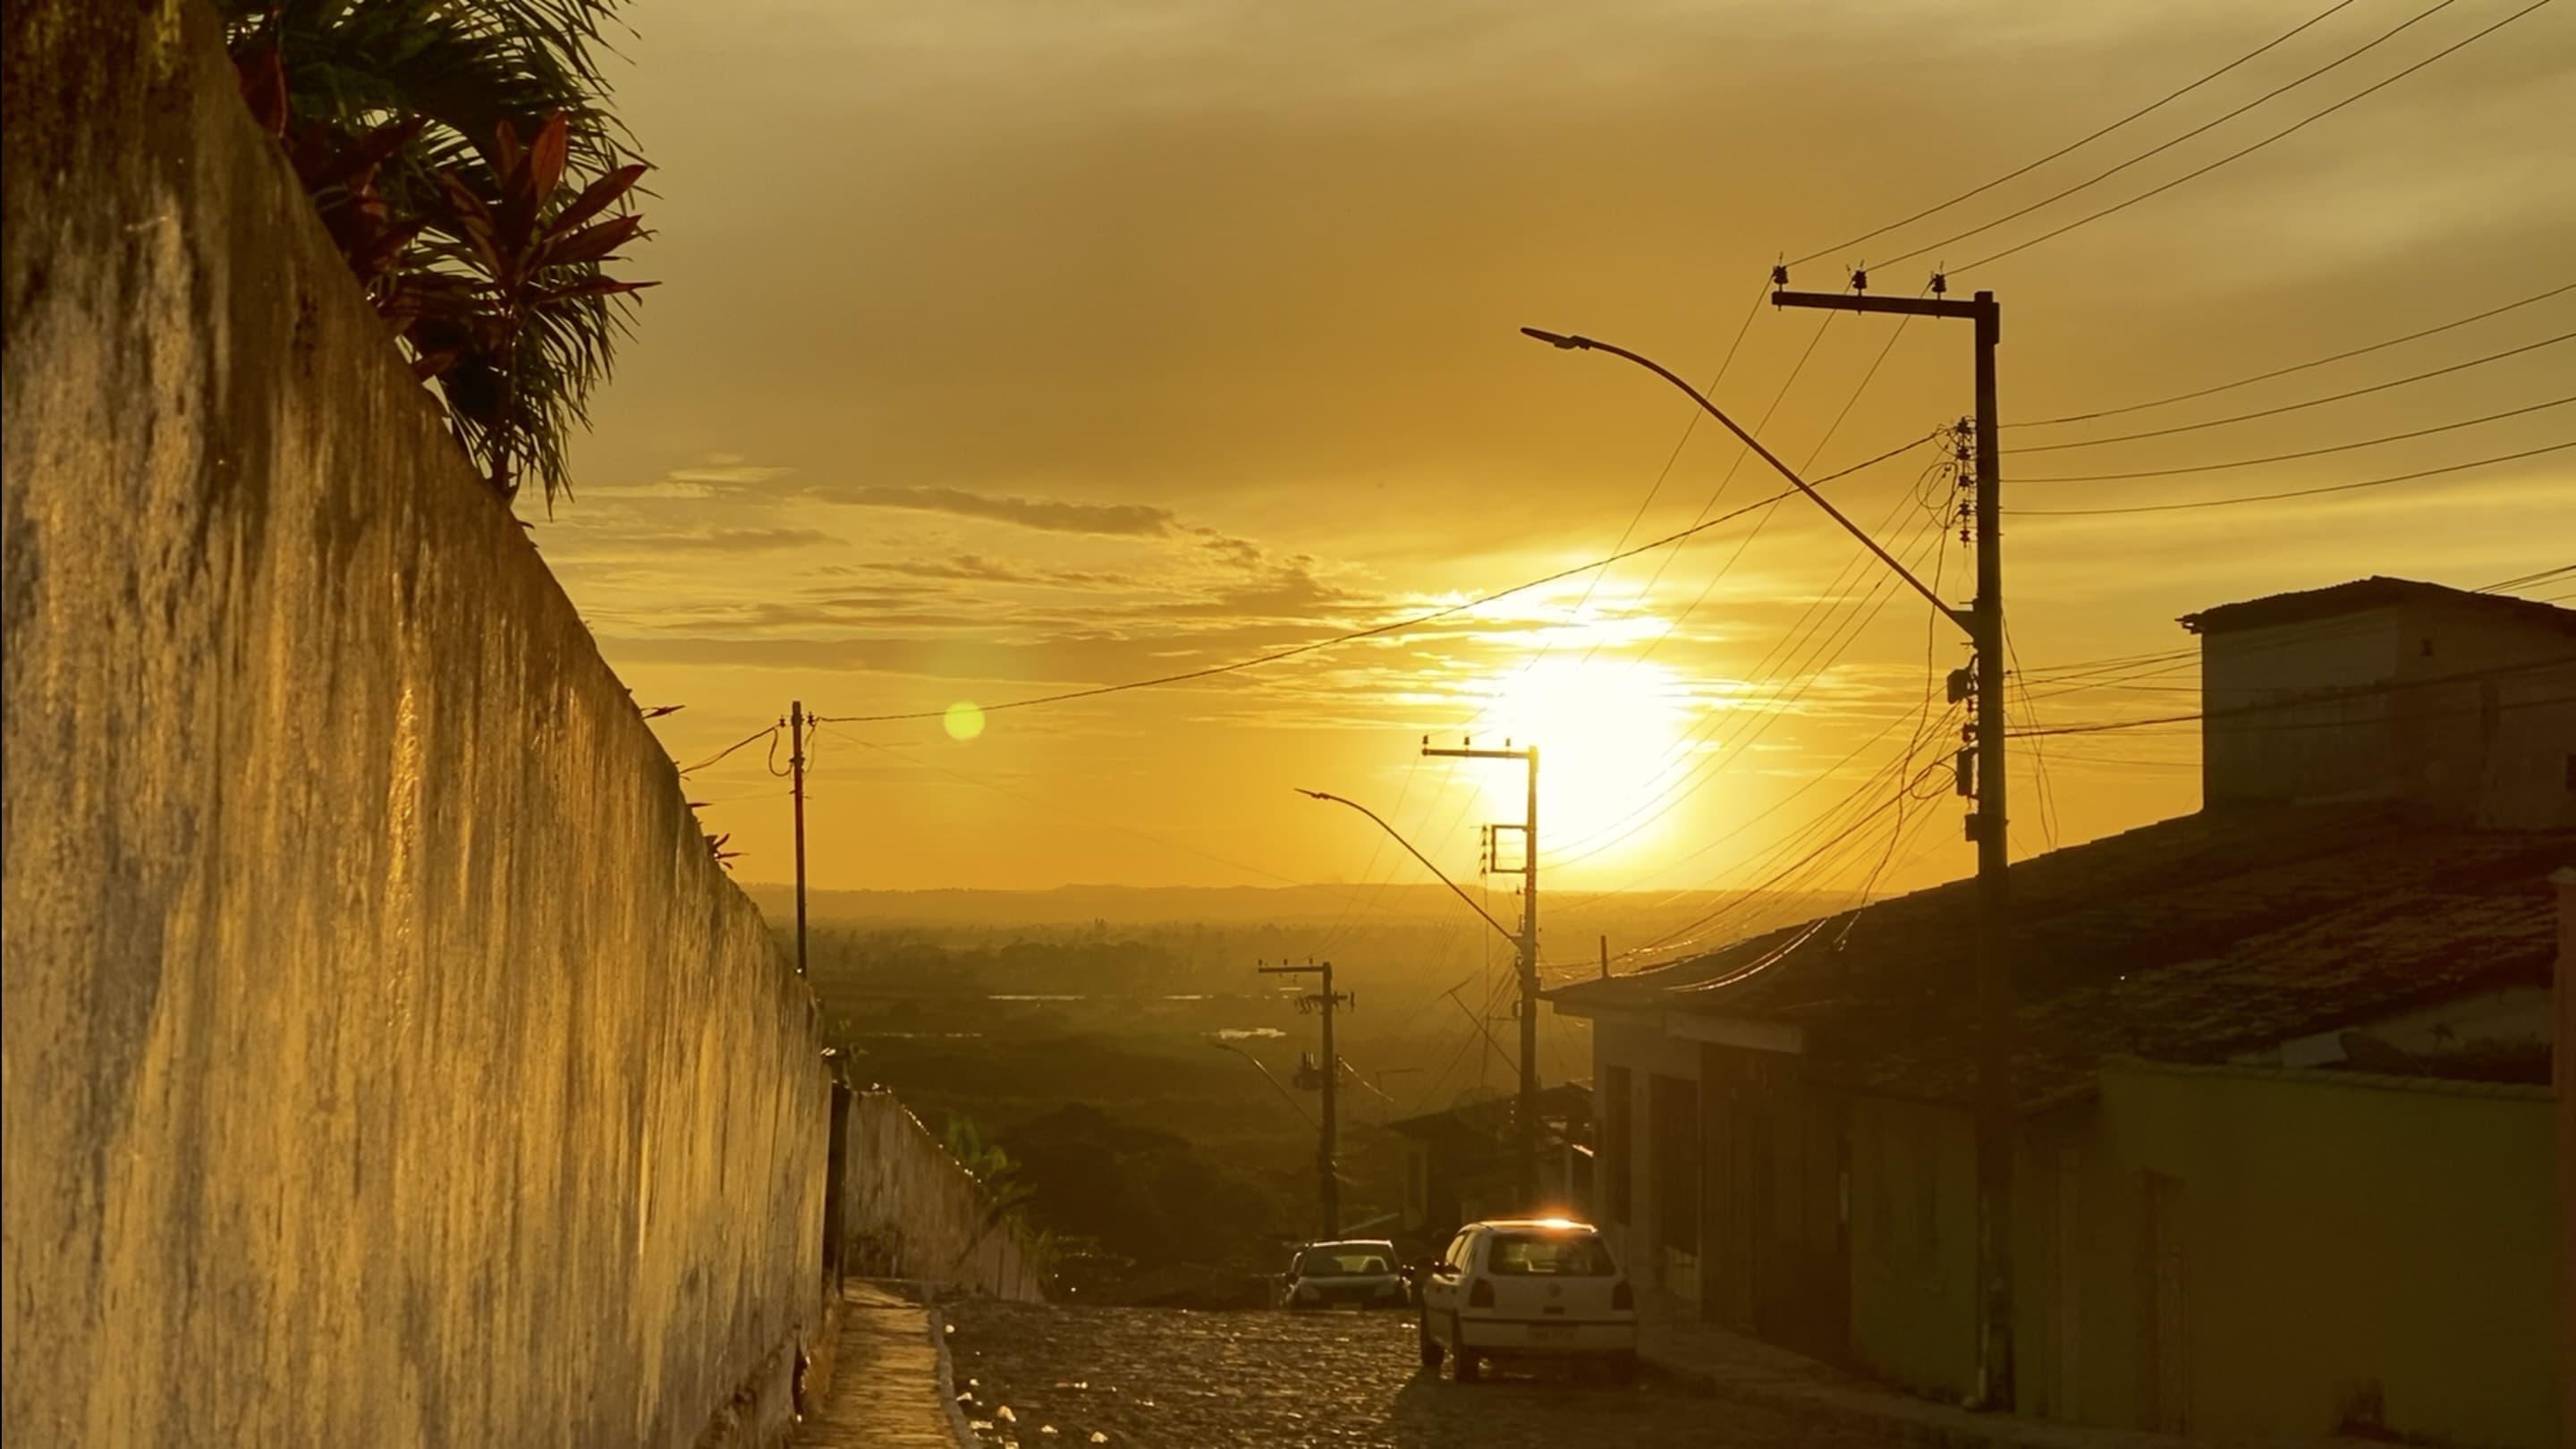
(461, 156)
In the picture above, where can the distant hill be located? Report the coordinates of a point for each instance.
(1564, 918)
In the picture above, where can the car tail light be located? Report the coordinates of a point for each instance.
(1481, 1295)
(1623, 1298)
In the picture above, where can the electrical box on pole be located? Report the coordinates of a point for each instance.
(1981, 777)
(1526, 944)
(1324, 1073)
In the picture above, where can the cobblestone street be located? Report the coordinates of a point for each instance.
(1165, 1377)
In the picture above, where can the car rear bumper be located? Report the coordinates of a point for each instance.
(1390, 1295)
(1542, 1336)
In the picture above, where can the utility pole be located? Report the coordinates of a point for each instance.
(1527, 942)
(796, 788)
(1984, 622)
(1983, 681)
(1328, 1144)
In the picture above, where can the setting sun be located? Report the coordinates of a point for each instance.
(1609, 732)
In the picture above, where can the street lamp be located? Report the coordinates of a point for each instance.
(1983, 622)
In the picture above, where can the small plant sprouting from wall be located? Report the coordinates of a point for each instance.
(463, 160)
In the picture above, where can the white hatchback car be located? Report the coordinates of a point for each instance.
(1528, 1289)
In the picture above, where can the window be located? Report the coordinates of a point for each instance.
(1618, 1139)
(1343, 1261)
(1548, 1255)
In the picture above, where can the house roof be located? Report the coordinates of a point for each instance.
(1569, 1103)
(2188, 940)
(2374, 592)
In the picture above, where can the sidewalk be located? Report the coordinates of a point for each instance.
(886, 1386)
(1726, 1364)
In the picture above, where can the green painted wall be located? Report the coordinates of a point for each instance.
(1913, 1245)
(2341, 1247)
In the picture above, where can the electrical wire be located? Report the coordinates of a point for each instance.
(1395, 626)
(1086, 818)
(2288, 492)
(2563, 287)
(2203, 128)
(2303, 453)
(765, 732)
(2259, 145)
(2336, 697)
(2160, 103)
(2296, 406)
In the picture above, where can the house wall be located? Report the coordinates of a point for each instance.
(387, 1061)
(910, 1210)
(1914, 1244)
(2494, 750)
(2269, 1252)
(1640, 1046)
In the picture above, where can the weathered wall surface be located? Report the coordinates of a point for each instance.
(386, 1062)
(2337, 1247)
(911, 1211)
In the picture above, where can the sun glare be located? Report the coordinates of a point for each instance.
(1610, 737)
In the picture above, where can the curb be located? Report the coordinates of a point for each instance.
(958, 1427)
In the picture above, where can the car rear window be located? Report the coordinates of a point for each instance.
(1343, 1263)
(1548, 1255)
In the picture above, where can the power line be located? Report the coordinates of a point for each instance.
(1084, 817)
(2296, 367)
(2296, 406)
(2339, 696)
(2167, 99)
(1396, 626)
(2266, 141)
(766, 732)
(2206, 126)
(2530, 580)
(2289, 492)
(2305, 453)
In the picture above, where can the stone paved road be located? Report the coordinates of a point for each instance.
(1182, 1380)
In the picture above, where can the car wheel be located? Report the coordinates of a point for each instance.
(1431, 1350)
(1468, 1366)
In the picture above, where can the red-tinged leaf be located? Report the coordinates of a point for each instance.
(505, 147)
(590, 244)
(387, 248)
(546, 157)
(263, 88)
(472, 222)
(597, 197)
(587, 287)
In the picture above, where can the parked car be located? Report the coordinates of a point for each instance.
(1528, 1289)
(1360, 1271)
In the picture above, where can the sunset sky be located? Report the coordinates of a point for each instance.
(1009, 348)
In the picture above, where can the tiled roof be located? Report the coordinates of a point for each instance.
(2185, 940)
(2374, 592)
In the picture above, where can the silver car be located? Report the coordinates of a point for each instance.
(1361, 1272)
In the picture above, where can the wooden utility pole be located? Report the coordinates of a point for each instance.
(1328, 1144)
(1527, 943)
(1984, 622)
(796, 788)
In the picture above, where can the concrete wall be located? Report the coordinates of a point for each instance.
(2335, 1247)
(1641, 1047)
(1914, 1245)
(386, 1062)
(909, 1210)
(2492, 749)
